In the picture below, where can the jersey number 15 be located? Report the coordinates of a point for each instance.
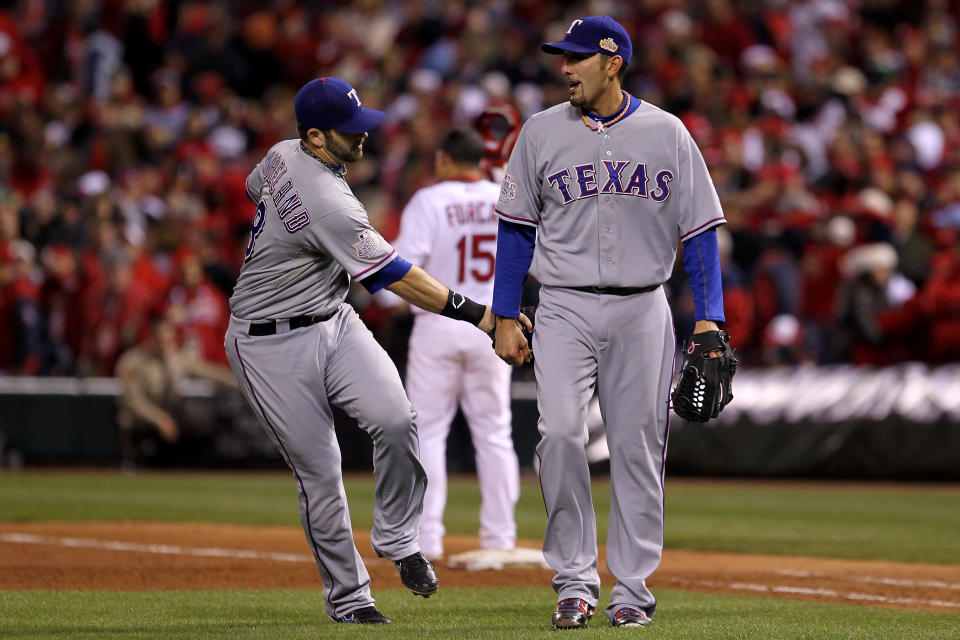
(471, 248)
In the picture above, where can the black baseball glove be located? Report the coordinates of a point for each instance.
(704, 387)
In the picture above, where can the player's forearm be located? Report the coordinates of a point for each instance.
(421, 289)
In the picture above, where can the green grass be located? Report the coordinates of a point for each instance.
(911, 523)
(463, 614)
(890, 522)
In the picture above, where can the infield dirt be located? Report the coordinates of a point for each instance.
(149, 556)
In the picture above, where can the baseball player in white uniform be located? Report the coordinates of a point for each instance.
(296, 348)
(598, 194)
(450, 229)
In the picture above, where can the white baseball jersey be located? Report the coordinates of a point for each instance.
(450, 229)
(310, 235)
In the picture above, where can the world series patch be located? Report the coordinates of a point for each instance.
(368, 244)
(508, 190)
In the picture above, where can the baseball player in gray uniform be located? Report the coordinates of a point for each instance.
(598, 193)
(296, 348)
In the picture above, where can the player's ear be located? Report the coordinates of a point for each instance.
(317, 138)
(613, 66)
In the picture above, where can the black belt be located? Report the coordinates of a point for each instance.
(617, 291)
(269, 327)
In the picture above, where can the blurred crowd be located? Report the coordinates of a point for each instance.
(127, 128)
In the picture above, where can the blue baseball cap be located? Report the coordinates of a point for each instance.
(331, 103)
(594, 34)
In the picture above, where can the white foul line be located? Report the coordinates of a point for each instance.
(215, 552)
(807, 591)
(167, 549)
(898, 582)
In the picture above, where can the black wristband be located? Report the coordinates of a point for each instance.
(460, 307)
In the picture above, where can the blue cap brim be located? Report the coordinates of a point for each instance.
(365, 120)
(560, 46)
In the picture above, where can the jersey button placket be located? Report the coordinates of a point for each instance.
(608, 239)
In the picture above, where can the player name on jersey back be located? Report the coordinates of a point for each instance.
(309, 236)
(470, 213)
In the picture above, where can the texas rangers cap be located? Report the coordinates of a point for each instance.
(331, 103)
(594, 34)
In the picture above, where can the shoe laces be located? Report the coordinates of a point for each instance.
(413, 562)
(569, 604)
(623, 612)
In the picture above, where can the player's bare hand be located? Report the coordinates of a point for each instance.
(526, 322)
(489, 321)
(509, 343)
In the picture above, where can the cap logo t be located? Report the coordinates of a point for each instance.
(573, 25)
(353, 94)
(607, 44)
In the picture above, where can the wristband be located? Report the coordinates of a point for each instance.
(460, 307)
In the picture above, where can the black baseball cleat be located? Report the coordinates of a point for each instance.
(417, 574)
(630, 617)
(572, 613)
(364, 615)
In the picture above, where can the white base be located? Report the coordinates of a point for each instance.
(483, 559)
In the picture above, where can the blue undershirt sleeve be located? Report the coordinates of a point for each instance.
(515, 244)
(701, 261)
(395, 269)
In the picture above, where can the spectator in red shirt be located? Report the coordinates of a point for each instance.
(197, 308)
(61, 295)
(114, 316)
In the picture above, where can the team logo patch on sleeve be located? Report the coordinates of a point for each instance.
(368, 244)
(508, 190)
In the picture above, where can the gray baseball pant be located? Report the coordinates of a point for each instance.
(625, 346)
(337, 362)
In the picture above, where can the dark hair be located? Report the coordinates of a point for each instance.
(463, 145)
(622, 72)
(302, 131)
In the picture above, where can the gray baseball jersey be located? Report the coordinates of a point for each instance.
(309, 236)
(609, 204)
